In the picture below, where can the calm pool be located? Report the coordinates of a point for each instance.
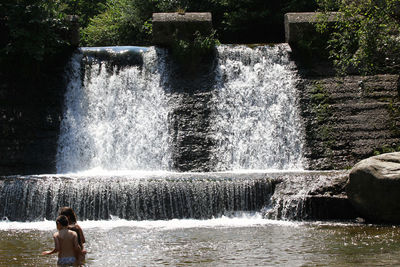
(246, 240)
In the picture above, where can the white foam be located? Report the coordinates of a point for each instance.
(114, 119)
(255, 118)
(241, 220)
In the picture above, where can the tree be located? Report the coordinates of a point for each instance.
(34, 32)
(366, 36)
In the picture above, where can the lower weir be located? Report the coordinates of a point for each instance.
(155, 196)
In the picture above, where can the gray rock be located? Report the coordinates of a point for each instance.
(374, 188)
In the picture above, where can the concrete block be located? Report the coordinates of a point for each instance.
(299, 25)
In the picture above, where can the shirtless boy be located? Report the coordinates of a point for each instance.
(65, 243)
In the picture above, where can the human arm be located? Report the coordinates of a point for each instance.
(81, 233)
(48, 252)
(55, 249)
(77, 248)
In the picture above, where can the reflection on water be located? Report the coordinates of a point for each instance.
(239, 241)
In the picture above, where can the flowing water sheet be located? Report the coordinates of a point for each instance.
(256, 121)
(116, 117)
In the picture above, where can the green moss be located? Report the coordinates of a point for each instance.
(394, 115)
(321, 108)
(320, 103)
(387, 149)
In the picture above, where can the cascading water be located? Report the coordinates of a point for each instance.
(145, 197)
(114, 119)
(256, 118)
(118, 108)
(118, 119)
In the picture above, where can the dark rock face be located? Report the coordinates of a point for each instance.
(30, 116)
(348, 119)
(191, 94)
(329, 208)
(373, 188)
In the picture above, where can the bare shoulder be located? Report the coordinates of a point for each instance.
(72, 233)
(78, 227)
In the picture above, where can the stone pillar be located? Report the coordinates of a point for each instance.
(301, 25)
(73, 32)
(169, 26)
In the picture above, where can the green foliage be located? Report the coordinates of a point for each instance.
(320, 103)
(365, 38)
(394, 115)
(85, 9)
(244, 21)
(33, 31)
(387, 149)
(240, 20)
(124, 22)
(190, 53)
(36, 29)
(105, 28)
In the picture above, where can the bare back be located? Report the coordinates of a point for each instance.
(66, 242)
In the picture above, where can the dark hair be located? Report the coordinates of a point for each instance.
(62, 220)
(67, 211)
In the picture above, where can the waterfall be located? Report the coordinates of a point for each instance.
(116, 117)
(256, 122)
(122, 113)
(303, 195)
(136, 198)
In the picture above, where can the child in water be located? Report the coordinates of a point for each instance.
(73, 226)
(65, 243)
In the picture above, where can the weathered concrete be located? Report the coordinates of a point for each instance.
(348, 119)
(311, 196)
(300, 25)
(167, 27)
(190, 101)
(374, 186)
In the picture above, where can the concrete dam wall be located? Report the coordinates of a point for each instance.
(345, 119)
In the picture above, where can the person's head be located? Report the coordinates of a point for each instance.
(62, 221)
(67, 211)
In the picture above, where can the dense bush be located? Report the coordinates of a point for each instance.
(32, 31)
(85, 9)
(366, 37)
(124, 22)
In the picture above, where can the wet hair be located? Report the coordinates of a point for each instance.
(67, 211)
(62, 220)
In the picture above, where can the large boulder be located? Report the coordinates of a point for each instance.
(374, 188)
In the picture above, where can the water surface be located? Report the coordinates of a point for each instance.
(239, 241)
